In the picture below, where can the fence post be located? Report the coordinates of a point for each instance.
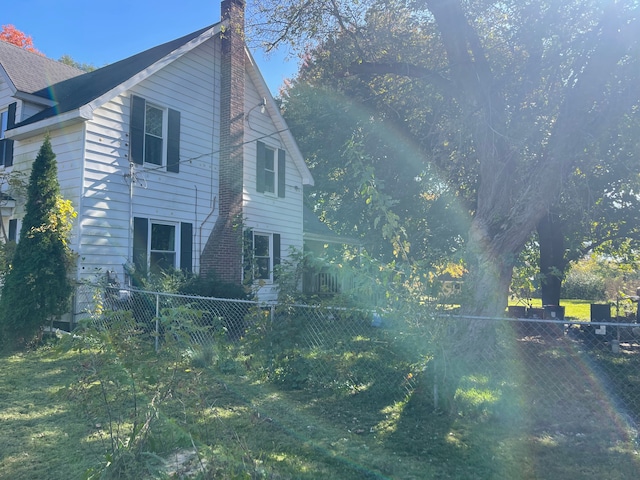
(157, 319)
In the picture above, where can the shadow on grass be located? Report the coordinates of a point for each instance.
(43, 434)
(546, 412)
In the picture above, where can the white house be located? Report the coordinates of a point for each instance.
(172, 157)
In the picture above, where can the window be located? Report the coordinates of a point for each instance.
(160, 246)
(264, 254)
(155, 135)
(270, 170)
(162, 249)
(13, 230)
(7, 120)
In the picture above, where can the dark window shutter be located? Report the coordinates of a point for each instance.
(6, 144)
(260, 164)
(137, 129)
(173, 142)
(276, 250)
(6, 152)
(247, 255)
(186, 247)
(13, 230)
(11, 115)
(281, 172)
(140, 236)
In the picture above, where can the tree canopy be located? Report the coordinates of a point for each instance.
(506, 99)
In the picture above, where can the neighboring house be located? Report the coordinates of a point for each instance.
(172, 157)
(322, 243)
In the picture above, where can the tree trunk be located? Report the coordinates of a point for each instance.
(552, 261)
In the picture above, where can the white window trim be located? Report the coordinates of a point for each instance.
(176, 241)
(165, 135)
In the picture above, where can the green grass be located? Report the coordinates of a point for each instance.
(573, 309)
(43, 434)
(56, 423)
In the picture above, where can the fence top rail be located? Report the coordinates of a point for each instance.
(539, 320)
(176, 295)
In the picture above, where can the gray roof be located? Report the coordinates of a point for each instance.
(69, 87)
(315, 229)
(30, 72)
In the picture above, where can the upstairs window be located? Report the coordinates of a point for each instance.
(270, 170)
(155, 135)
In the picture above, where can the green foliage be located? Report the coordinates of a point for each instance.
(85, 67)
(583, 281)
(38, 287)
(114, 392)
(495, 124)
(177, 281)
(212, 287)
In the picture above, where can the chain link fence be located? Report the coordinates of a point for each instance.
(577, 370)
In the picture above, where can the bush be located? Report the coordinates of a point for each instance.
(211, 287)
(583, 283)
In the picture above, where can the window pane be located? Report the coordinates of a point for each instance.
(262, 267)
(269, 182)
(268, 159)
(163, 237)
(261, 245)
(269, 171)
(153, 150)
(153, 124)
(162, 261)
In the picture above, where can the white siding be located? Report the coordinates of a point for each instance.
(267, 212)
(67, 146)
(188, 85)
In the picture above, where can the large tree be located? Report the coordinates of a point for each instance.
(37, 285)
(599, 209)
(528, 85)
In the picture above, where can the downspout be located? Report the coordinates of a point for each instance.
(130, 236)
(80, 216)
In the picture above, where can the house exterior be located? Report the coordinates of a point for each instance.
(175, 157)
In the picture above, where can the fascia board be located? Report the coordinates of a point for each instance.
(49, 124)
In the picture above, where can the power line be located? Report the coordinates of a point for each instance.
(214, 152)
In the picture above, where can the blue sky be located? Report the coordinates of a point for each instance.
(99, 33)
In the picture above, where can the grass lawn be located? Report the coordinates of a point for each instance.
(579, 310)
(42, 433)
(66, 414)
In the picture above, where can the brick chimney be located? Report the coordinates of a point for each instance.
(222, 254)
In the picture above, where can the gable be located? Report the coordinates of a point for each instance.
(77, 97)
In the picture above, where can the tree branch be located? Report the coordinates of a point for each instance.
(403, 70)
